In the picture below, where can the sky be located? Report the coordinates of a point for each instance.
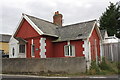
(73, 11)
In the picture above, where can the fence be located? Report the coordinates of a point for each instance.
(44, 65)
(112, 51)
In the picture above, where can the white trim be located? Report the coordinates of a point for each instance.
(91, 30)
(42, 47)
(50, 35)
(33, 25)
(32, 41)
(68, 42)
(73, 49)
(89, 51)
(86, 49)
(18, 25)
(97, 29)
(98, 32)
(89, 56)
(96, 52)
(32, 49)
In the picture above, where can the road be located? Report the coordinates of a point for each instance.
(30, 77)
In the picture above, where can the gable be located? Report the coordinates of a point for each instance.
(26, 31)
(94, 35)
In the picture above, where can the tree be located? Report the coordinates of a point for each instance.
(110, 19)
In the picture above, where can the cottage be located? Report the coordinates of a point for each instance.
(38, 38)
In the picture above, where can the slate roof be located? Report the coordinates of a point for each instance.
(45, 26)
(75, 31)
(64, 33)
(4, 37)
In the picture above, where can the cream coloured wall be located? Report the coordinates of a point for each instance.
(4, 46)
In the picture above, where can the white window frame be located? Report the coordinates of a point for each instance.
(69, 50)
(32, 49)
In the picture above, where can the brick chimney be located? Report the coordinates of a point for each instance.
(57, 19)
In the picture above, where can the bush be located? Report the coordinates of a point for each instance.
(103, 68)
(94, 69)
(105, 65)
(118, 67)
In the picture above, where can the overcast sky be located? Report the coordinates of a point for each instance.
(73, 11)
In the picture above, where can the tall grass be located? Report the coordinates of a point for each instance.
(104, 68)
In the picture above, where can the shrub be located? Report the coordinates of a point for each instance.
(104, 68)
(103, 65)
(106, 65)
(94, 69)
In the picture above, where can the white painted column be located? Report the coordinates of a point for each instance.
(42, 47)
(68, 43)
(96, 52)
(89, 51)
(89, 55)
(86, 52)
(32, 54)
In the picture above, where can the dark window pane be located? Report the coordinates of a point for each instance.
(33, 50)
(13, 52)
(21, 48)
(70, 50)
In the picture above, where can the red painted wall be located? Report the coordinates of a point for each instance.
(28, 48)
(37, 46)
(26, 31)
(78, 47)
(36, 41)
(49, 47)
(59, 49)
(92, 42)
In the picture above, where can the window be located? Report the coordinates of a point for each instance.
(33, 49)
(69, 50)
(13, 51)
(21, 48)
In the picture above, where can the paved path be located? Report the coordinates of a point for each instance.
(31, 77)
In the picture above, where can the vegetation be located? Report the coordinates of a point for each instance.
(104, 68)
(110, 19)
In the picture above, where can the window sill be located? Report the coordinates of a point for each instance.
(69, 56)
(33, 56)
